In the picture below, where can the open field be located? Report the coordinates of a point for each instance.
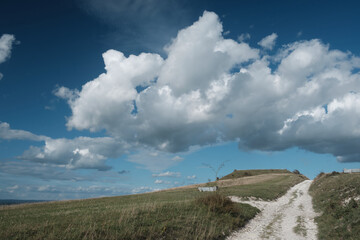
(337, 198)
(182, 213)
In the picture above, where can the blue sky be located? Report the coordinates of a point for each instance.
(104, 98)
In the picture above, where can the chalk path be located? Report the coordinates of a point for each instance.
(289, 217)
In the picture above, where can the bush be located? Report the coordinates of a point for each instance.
(334, 173)
(296, 171)
(218, 203)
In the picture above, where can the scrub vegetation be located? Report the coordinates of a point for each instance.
(336, 196)
(182, 213)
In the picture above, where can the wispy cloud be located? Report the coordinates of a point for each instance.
(167, 174)
(13, 134)
(158, 181)
(244, 37)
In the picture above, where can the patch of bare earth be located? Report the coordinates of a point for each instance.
(289, 217)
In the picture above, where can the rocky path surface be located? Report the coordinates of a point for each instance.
(289, 217)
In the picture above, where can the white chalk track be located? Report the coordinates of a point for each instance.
(289, 217)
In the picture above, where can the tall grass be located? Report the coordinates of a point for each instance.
(176, 214)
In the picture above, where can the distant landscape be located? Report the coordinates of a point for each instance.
(15, 201)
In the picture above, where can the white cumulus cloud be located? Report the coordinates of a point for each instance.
(209, 89)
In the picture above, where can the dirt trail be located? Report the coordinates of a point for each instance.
(289, 217)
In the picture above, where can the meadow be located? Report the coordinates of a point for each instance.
(182, 213)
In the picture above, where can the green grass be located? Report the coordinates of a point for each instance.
(337, 197)
(247, 173)
(175, 214)
(268, 190)
(300, 228)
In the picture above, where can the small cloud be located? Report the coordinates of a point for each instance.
(142, 189)
(66, 93)
(167, 174)
(269, 41)
(177, 158)
(6, 42)
(43, 188)
(158, 181)
(50, 108)
(226, 33)
(12, 189)
(191, 177)
(244, 37)
(123, 172)
(154, 154)
(299, 34)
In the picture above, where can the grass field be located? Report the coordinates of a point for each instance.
(247, 173)
(175, 214)
(337, 198)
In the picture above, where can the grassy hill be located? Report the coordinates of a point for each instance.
(247, 173)
(337, 197)
(182, 213)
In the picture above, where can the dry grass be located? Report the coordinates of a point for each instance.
(175, 214)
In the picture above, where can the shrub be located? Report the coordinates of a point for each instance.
(218, 203)
(296, 171)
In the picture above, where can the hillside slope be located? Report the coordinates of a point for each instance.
(337, 198)
(172, 214)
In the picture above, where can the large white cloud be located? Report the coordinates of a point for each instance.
(210, 89)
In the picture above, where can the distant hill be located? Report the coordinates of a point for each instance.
(15, 201)
(254, 172)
